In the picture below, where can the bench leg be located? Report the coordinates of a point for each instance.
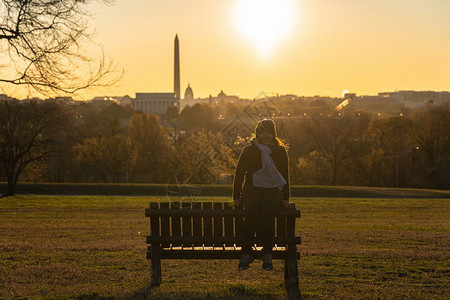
(156, 266)
(291, 273)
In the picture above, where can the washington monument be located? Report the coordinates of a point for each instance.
(176, 80)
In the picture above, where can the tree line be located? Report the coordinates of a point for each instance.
(65, 141)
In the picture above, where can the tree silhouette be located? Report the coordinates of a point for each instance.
(152, 152)
(27, 133)
(431, 135)
(201, 156)
(105, 156)
(43, 40)
(330, 136)
(389, 140)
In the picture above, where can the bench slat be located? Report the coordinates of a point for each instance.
(214, 254)
(176, 221)
(207, 211)
(154, 220)
(165, 223)
(228, 220)
(197, 222)
(218, 226)
(209, 240)
(207, 222)
(187, 222)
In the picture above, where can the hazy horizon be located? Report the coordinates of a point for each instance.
(309, 48)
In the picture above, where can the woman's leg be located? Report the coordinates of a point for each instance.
(251, 205)
(270, 202)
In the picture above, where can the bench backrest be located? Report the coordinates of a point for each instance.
(209, 224)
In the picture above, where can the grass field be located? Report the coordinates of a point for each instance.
(93, 247)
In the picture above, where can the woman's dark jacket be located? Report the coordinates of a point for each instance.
(250, 161)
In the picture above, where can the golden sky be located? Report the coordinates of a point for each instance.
(304, 47)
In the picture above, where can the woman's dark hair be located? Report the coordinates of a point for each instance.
(268, 125)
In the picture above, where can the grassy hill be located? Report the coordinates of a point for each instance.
(93, 247)
(217, 190)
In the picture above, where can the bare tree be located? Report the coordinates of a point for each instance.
(27, 133)
(331, 136)
(389, 141)
(201, 156)
(153, 154)
(41, 42)
(431, 134)
(105, 156)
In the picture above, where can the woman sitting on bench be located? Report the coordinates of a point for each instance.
(264, 166)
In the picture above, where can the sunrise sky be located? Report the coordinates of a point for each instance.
(304, 47)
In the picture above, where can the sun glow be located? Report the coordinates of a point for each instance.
(264, 23)
(345, 92)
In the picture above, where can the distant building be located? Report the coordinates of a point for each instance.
(125, 100)
(189, 98)
(100, 98)
(349, 96)
(188, 94)
(224, 98)
(157, 103)
(287, 97)
(417, 98)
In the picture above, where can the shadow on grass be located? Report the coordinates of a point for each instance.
(93, 296)
(237, 291)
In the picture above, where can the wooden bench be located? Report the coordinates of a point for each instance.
(211, 230)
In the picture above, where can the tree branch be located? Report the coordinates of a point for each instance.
(44, 38)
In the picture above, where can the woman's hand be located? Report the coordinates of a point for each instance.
(286, 204)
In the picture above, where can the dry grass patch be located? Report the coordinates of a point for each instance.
(94, 248)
